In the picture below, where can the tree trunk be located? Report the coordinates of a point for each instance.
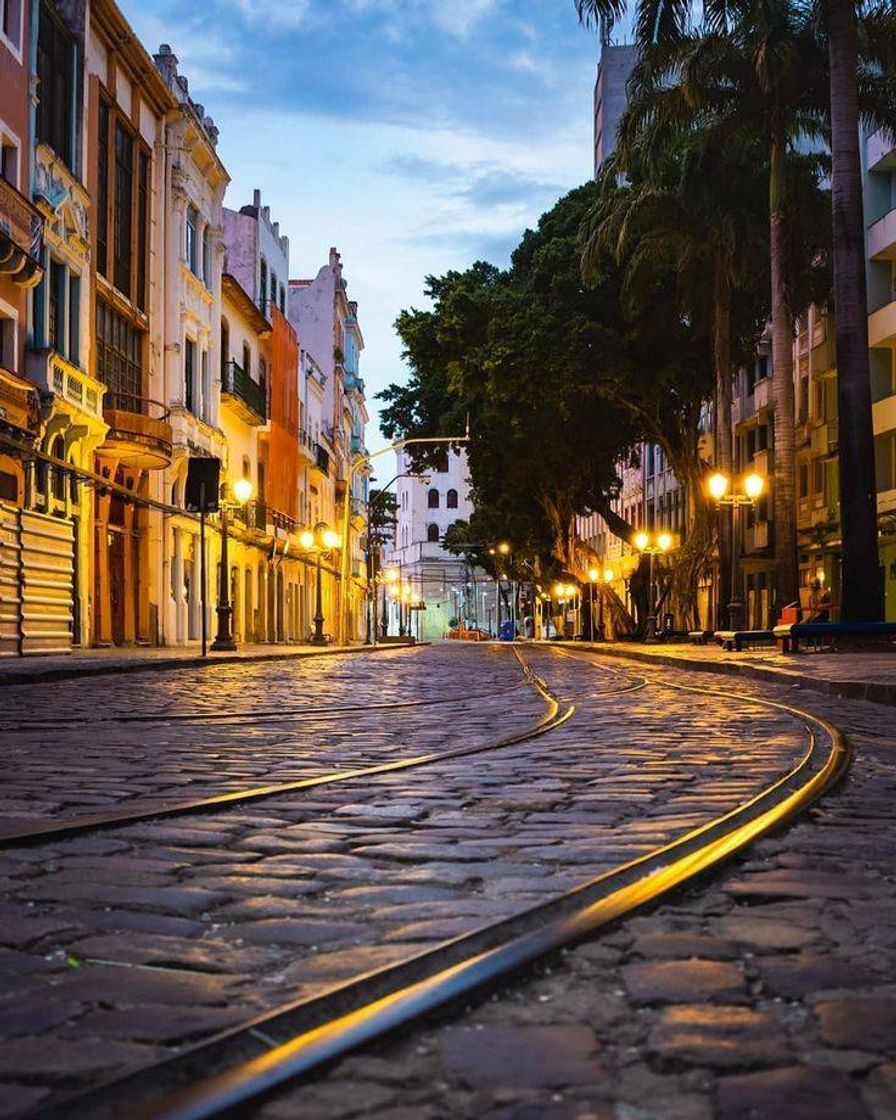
(862, 592)
(722, 434)
(786, 588)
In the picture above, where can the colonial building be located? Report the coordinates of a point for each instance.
(189, 385)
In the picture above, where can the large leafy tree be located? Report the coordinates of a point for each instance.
(666, 22)
(690, 203)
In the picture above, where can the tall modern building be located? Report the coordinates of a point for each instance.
(613, 71)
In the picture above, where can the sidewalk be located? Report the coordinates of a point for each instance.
(860, 675)
(97, 662)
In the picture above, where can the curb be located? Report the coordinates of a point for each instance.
(873, 692)
(164, 664)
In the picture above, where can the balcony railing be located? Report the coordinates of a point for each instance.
(21, 238)
(139, 431)
(247, 396)
(261, 517)
(19, 404)
(322, 459)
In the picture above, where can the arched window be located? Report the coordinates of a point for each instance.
(432, 498)
(247, 467)
(432, 533)
(58, 452)
(225, 346)
(247, 360)
(451, 499)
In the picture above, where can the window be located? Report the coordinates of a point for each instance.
(142, 229)
(885, 461)
(206, 257)
(74, 319)
(102, 190)
(57, 85)
(273, 288)
(263, 377)
(247, 360)
(58, 452)
(190, 242)
(451, 499)
(206, 389)
(803, 483)
(432, 498)
(123, 210)
(263, 284)
(8, 348)
(119, 357)
(56, 336)
(11, 20)
(282, 300)
(9, 159)
(190, 375)
(432, 533)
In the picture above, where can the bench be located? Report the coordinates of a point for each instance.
(699, 637)
(737, 639)
(790, 635)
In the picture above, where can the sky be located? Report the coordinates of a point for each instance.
(416, 136)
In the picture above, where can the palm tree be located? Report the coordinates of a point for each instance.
(761, 86)
(693, 205)
(666, 21)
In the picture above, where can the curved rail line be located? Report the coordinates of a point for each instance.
(69, 827)
(225, 1072)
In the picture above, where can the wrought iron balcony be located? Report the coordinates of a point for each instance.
(322, 460)
(247, 398)
(139, 431)
(19, 405)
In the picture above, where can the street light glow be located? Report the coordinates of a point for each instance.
(391, 575)
(331, 538)
(754, 484)
(609, 575)
(306, 539)
(641, 541)
(504, 548)
(242, 490)
(664, 540)
(593, 575)
(718, 485)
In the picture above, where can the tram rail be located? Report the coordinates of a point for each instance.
(222, 1075)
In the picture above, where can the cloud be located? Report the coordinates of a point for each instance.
(273, 13)
(483, 185)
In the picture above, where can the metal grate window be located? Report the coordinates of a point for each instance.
(119, 357)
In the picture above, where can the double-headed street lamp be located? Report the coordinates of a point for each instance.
(657, 545)
(566, 593)
(320, 539)
(719, 486)
(242, 492)
(596, 576)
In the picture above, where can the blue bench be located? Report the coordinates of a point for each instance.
(789, 636)
(737, 639)
(699, 637)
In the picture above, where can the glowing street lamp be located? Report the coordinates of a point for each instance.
(593, 577)
(720, 489)
(242, 492)
(658, 547)
(319, 540)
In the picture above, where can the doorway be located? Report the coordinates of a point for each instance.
(117, 586)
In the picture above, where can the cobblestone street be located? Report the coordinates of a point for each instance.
(747, 995)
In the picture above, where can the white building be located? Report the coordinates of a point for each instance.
(427, 505)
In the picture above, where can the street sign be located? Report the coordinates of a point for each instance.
(203, 485)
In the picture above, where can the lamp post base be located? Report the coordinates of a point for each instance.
(223, 642)
(735, 615)
(650, 638)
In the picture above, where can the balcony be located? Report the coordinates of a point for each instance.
(322, 460)
(67, 381)
(824, 439)
(880, 151)
(139, 433)
(762, 394)
(21, 238)
(882, 325)
(307, 446)
(246, 397)
(19, 405)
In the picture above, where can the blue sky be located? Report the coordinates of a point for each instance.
(414, 135)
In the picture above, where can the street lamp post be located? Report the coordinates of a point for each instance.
(608, 576)
(320, 539)
(242, 492)
(593, 577)
(719, 486)
(658, 547)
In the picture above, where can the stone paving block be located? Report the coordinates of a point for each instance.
(166, 952)
(786, 883)
(792, 1093)
(17, 1100)
(129, 986)
(762, 934)
(26, 927)
(865, 1023)
(284, 932)
(527, 1056)
(32, 1013)
(684, 982)
(719, 1037)
(159, 1023)
(81, 1057)
(795, 976)
(682, 944)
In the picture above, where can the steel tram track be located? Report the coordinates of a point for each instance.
(69, 827)
(221, 1075)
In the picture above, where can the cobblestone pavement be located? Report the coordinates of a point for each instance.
(121, 945)
(84, 761)
(766, 993)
